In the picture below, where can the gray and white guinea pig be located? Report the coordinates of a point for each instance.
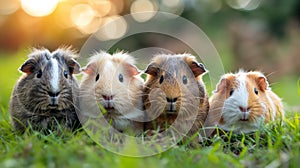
(243, 102)
(45, 96)
(174, 93)
(115, 82)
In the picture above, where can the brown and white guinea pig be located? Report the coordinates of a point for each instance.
(243, 102)
(45, 96)
(117, 86)
(174, 91)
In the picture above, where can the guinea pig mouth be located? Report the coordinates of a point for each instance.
(171, 108)
(108, 105)
(53, 106)
(109, 108)
(244, 116)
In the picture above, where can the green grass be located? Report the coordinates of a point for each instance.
(9, 74)
(272, 146)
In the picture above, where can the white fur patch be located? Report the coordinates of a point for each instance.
(110, 76)
(232, 114)
(55, 75)
(108, 67)
(241, 93)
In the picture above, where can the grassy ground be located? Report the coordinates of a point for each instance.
(272, 146)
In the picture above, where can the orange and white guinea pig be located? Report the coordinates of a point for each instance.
(243, 102)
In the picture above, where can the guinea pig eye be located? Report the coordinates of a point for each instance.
(184, 80)
(97, 77)
(65, 74)
(255, 91)
(121, 79)
(39, 74)
(231, 92)
(161, 79)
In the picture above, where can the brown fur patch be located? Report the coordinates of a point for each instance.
(167, 82)
(226, 84)
(197, 68)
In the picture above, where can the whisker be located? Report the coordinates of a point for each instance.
(271, 73)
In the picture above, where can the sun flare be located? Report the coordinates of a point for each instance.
(39, 8)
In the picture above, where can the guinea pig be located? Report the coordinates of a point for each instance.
(174, 94)
(243, 102)
(45, 96)
(115, 83)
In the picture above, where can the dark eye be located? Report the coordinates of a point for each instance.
(121, 79)
(161, 79)
(39, 74)
(65, 74)
(184, 80)
(255, 91)
(231, 92)
(97, 77)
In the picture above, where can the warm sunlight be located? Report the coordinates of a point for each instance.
(140, 6)
(8, 7)
(82, 14)
(39, 8)
(114, 27)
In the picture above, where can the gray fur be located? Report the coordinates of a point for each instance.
(30, 100)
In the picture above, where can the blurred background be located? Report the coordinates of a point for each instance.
(253, 34)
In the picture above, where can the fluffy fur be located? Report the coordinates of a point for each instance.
(174, 91)
(117, 86)
(41, 102)
(243, 102)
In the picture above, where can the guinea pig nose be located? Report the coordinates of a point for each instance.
(105, 97)
(53, 94)
(243, 109)
(170, 100)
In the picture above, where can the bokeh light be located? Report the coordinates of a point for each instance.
(171, 3)
(213, 5)
(244, 4)
(140, 6)
(117, 7)
(92, 27)
(172, 6)
(103, 7)
(82, 14)
(8, 7)
(39, 8)
(114, 27)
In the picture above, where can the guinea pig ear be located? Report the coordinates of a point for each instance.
(262, 83)
(28, 66)
(74, 66)
(226, 82)
(131, 69)
(89, 69)
(197, 68)
(222, 84)
(152, 69)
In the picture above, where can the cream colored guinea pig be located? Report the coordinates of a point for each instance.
(243, 102)
(117, 86)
